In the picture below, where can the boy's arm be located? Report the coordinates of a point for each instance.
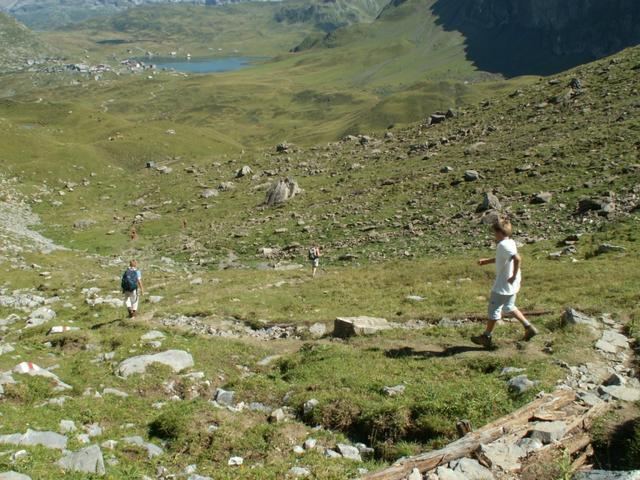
(486, 261)
(140, 286)
(517, 261)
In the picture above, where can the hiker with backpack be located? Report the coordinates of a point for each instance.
(132, 287)
(314, 258)
(506, 286)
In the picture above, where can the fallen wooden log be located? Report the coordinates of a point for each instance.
(465, 446)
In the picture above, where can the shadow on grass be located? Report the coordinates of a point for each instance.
(98, 326)
(405, 352)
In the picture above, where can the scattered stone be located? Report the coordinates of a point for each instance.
(14, 476)
(152, 450)
(33, 438)
(548, 432)
(573, 317)
(415, 298)
(359, 326)
(309, 406)
(152, 335)
(541, 198)
(415, 475)
(489, 202)
(445, 473)
(349, 452)
(607, 475)
(235, 461)
(609, 248)
(626, 394)
(86, 460)
(471, 469)
(503, 455)
(506, 371)
(209, 193)
(520, 384)
(318, 330)
(471, 176)
(282, 191)
(67, 426)
(394, 391)
(177, 360)
(310, 443)
(224, 397)
(33, 370)
(529, 445)
(244, 171)
(299, 472)
(277, 416)
(40, 316)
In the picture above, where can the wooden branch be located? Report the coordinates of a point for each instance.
(470, 443)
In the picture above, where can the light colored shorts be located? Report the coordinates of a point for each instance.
(315, 262)
(131, 300)
(499, 304)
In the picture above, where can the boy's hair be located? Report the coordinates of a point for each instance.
(133, 263)
(503, 226)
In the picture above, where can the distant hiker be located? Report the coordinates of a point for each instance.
(132, 287)
(133, 234)
(506, 286)
(314, 258)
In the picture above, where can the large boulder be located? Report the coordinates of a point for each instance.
(548, 432)
(177, 360)
(489, 202)
(86, 460)
(471, 469)
(40, 316)
(282, 191)
(344, 327)
(573, 317)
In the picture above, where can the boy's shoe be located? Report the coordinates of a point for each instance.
(482, 340)
(530, 332)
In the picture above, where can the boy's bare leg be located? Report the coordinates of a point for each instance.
(491, 324)
(521, 318)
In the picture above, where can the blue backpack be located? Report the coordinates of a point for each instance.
(130, 280)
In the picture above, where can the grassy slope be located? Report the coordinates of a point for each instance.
(18, 45)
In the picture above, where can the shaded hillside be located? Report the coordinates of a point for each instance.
(534, 37)
(331, 15)
(20, 46)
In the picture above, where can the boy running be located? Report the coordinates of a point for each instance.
(132, 287)
(314, 258)
(506, 286)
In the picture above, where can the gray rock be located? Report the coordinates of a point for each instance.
(299, 472)
(471, 176)
(209, 193)
(309, 406)
(606, 347)
(615, 338)
(445, 473)
(277, 416)
(14, 476)
(244, 171)
(607, 475)
(529, 445)
(394, 391)
(33, 438)
(310, 443)
(520, 384)
(82, 224)
(506, 371)
(573, 317)
(282, 191)
(415, 475)
(626, 394)
(503, 455)
(67, 426)
(177, 360)
(589, 399)
(548, 432)
(609, 248)
(40, 316)
(115, 392)
(224, 397)
(472, 470)
(152, 450)
(541, 198)
(349, 452)
(345, 327)
(198, 477)
(86, 460)
(614, 380)
(152, 335)
(489, 202)
(318, 330)
(415, 298)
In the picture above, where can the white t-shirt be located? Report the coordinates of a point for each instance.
(505, 252)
